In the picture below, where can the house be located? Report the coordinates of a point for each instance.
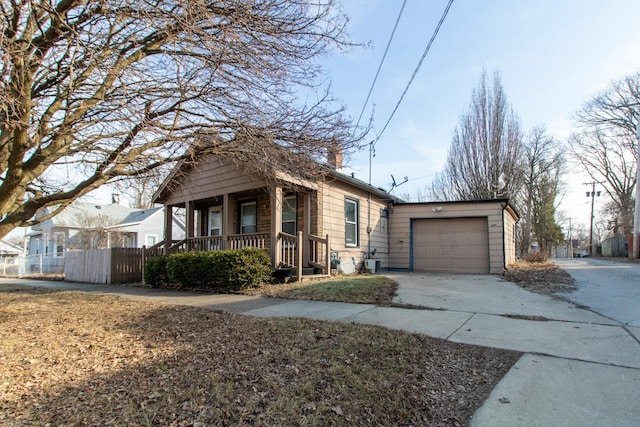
(306, 223)
(85, 225)
(10, 259)
(9, 250)
(142, 227)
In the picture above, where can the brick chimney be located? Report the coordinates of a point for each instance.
(335, 158)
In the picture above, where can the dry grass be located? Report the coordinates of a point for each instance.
(70, 358)
(541, 277)
(362, 288)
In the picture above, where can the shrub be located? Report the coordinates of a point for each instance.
(229, 269)
(155, 271)
(536, 257)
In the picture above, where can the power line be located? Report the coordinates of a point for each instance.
(415, 72)
(393, 32)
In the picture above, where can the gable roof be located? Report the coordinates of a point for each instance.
(7, 248)
(141, 215)
(281, 175)
(77, 212)
(138, 216)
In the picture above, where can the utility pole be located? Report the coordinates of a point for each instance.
(570, 239)
(636, 213)
(592, 194)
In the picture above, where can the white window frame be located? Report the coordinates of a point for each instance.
(146, 239)
(355, 223)
(215, 209)
(255, 218)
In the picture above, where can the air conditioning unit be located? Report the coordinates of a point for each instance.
(372, 265)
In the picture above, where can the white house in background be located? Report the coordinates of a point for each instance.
(90, 226)
(9, 250)
(142, 228)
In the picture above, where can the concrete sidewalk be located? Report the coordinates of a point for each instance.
(581, 369)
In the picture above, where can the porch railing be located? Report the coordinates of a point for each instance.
(253, 240)
(292, 250)
(288, 243)
(319, 256)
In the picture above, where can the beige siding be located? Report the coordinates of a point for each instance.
(401, 216)
(211, 177)
(332, 197)
(510, 220)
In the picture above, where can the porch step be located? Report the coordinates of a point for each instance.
(286, 274)
(314, 277)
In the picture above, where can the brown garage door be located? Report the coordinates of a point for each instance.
(459, 245)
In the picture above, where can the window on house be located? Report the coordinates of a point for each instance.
(248, 217)
(351, 222)
(289, 214)
(150, 239)
(58, 244)
(215, 221)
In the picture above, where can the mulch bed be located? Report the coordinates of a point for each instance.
(540, 277)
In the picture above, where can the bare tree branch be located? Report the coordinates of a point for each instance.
(94, 90)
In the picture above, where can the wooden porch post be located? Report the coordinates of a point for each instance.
(226, 225)
(190, 225)
(299, 257)
(276, 224)
(306, 252)
(168, 228)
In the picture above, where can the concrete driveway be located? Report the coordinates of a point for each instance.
(484, 294)
(609, 288)
(589, 374)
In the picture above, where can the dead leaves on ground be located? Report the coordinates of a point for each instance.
(78, 359)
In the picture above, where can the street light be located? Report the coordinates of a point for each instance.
(593, 193)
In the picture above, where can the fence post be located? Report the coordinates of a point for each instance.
(299, 256)
(327, 256)
(144, 261)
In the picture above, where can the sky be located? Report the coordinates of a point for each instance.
(552, 56)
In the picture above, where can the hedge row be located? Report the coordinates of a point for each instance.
(228, 269)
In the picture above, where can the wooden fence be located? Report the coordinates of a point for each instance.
(115, 265)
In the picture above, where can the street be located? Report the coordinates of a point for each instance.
(611, 289)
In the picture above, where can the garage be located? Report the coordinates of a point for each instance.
(455, 245)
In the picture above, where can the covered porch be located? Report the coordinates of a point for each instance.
(284, 221)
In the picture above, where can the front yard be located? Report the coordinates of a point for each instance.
(70, 358)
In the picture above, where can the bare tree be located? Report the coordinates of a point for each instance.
(94, 90)
(485, 154)
(90, 232)
(611, 161)
(606, 145)
(615, 109)
(138, 191)
(543, 166)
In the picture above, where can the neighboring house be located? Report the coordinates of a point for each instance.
(10, 259)
(83, 226)
(142, 228)
(303, 223)
(9, 250)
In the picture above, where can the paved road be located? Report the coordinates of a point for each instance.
(609, 288)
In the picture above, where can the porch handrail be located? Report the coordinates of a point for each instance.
(319, 252)
(288, 254)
